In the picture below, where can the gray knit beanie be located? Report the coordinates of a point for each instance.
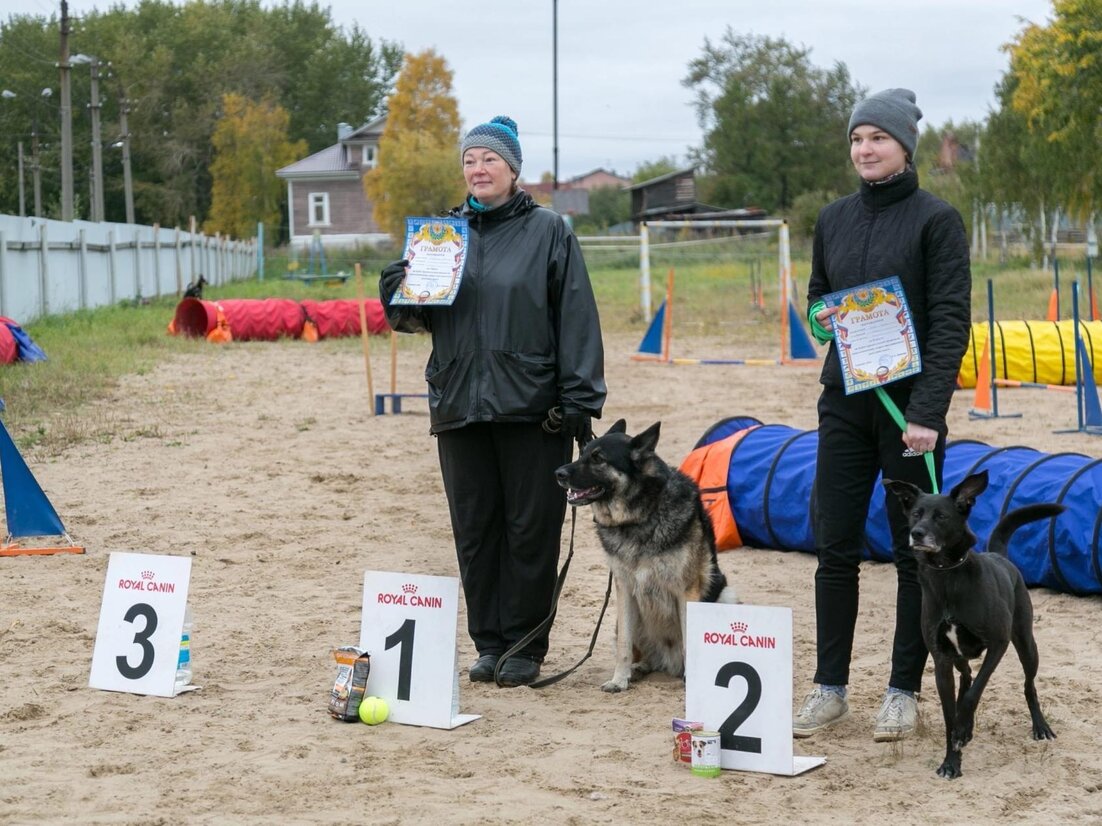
(500, 135)
(894, 111)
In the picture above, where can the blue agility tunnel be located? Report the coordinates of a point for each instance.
(770, 470)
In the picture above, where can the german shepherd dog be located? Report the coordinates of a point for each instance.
(659, 543)
(970, 603)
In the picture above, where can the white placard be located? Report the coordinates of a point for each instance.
(141, 620)
(738, 681)
(408, 626)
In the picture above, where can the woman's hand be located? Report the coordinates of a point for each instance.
(919, 439)
(823, 316)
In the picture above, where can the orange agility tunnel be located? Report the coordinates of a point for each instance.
(269, 319)
(1033, 352)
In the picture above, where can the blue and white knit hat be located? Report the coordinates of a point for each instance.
(500, 135)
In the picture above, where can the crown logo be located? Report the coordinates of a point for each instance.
(739, 627)
(409, 588)
(147, 575)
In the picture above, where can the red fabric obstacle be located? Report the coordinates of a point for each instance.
(9, 352)
(268, 319)
(341, 317)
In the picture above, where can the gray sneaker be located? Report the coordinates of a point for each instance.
(896, 719)
(820, 710)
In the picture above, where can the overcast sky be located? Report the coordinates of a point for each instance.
(621, 62)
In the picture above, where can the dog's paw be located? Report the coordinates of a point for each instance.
(950, 768)
(639, 670)
(1041, 731)
(615, 686)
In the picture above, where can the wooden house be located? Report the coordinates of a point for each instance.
(325, 192)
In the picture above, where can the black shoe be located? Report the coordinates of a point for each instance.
(483, 669)
(518, 671)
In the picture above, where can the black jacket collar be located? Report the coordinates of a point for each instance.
(879, 194)
(520, 203)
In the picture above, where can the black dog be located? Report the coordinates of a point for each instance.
(195, 288)
(970, 603)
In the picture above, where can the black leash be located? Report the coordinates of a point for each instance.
(551, 618)
(553, 425)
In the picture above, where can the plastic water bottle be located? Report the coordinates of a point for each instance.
(183, 664)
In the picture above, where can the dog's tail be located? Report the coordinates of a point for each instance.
(727, 595)
(1000, 535)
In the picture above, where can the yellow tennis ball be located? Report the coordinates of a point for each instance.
(373, 710)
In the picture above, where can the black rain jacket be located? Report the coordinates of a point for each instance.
(894, 228)
(523, 334)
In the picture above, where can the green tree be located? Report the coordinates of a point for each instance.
(655, 169)
(774, 124)
(173, 63)
(250, 143)
(1057, 72)
(418, 171)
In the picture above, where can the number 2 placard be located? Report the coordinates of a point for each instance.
(140, 623)
(738, 681)
(408, 627)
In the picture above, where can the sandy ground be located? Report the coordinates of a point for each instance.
(262, 461)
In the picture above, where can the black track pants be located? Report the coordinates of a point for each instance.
(507, 515)
(858, 440)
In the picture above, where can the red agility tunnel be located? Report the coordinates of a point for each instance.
(8, 350)
(341, 317)
(268, 319)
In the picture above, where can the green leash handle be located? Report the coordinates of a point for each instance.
(897, 417)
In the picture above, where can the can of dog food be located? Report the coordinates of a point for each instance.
(683, 739)
(706, 753)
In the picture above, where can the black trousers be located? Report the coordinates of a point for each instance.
(857, 440)
(507, 515)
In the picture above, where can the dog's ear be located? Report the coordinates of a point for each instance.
(646, 441)
(966, 491)
(905, 492)
(618, 426)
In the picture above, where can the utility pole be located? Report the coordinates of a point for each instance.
(22, 193)
(127, 183)
(66, 120)
(97, 148)
(36, 171)
(555, 86)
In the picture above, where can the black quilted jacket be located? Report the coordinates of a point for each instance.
(895, 228)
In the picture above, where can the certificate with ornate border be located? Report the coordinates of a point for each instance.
(436, 249)
(874, 334)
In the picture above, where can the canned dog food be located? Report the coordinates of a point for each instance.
(682, 739)
(706, 753)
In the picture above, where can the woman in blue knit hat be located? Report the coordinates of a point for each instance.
(515, 376)
(888, 227)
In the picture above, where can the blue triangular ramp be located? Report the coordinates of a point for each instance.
(27, 349)
(1091, 408)
(29, 512)
(799, 340)
(651, 344)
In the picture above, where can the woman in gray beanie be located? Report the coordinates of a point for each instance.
(515, 375)
(888, 227)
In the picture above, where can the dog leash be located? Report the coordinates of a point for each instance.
(897, 417)
(551, 617)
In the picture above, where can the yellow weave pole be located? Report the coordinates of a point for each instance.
(364, 339)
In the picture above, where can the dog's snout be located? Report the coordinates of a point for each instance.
(562, 473)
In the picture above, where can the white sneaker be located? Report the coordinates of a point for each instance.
(896, 719)
(820, 710)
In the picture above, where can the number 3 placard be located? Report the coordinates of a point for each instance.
(408, 628)
(738, 681)
(140, 622)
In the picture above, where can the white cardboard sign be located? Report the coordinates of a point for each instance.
(738, 681)
(408, 625)
(140, 622)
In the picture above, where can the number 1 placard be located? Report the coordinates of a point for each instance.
(140, 622)
(738, 681)
(408, 627)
